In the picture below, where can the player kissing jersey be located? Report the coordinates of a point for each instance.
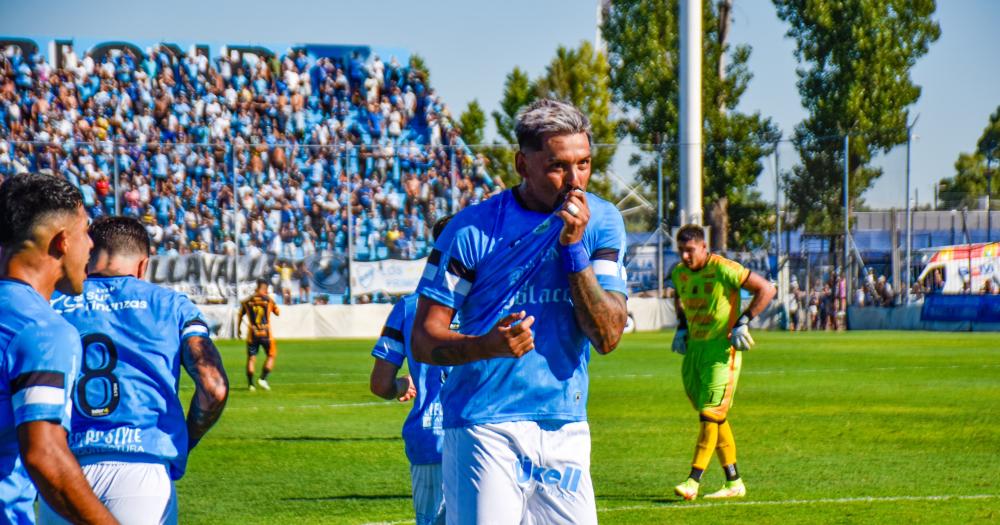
(710, 296)
(422, 431)
(126, 397)
(499, 249)
(41, 353)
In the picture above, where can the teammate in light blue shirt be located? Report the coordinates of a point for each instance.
(43, 247)
(536, 276)
(423, 435)
(128, 423)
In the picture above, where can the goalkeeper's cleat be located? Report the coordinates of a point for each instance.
(252, 388)
(687, 490)
(263, 384)
(732, 489)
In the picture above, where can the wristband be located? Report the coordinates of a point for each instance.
(574, 257)
(744, 319)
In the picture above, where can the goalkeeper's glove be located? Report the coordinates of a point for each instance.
(680, 344)
(740, 338)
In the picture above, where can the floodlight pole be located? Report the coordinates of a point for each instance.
(782, 283)
(690, 121)
(659, 222)
(989, 197)
(847, 214)
(909, 213)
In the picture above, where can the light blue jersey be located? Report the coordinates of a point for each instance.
(126, 397)
(498, 257)
(423, 434)
(41, 353)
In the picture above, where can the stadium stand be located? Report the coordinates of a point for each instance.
(290, 142)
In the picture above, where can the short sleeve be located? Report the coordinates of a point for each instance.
(451, 266)
(391, 345)
(732, 273)
(608, 253)
(43, 363)
(192, 323)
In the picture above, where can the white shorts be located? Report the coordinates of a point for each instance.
(428, 494)
(519, 472)
(135, 493)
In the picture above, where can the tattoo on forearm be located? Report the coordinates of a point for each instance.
(204, 364)
(600, 313)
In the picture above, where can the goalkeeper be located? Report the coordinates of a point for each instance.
(710, 335)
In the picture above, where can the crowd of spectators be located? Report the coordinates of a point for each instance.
(294, 144)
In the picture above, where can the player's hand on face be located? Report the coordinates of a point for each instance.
(508, 339)
(575, 215)
(406, 388)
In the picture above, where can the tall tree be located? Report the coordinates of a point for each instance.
(580, 76)
(644, 52)
(576, 75)
(472, 122)
(856, 81)
(518, 92)
(969, 183)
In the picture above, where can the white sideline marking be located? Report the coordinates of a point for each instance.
(820, 501)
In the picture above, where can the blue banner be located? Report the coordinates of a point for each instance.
(951, 308)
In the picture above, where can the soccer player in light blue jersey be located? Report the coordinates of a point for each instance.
(128, 430)
(43, 247)
(422, 432)
(535, 274)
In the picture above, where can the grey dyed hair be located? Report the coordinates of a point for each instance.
(547, 116)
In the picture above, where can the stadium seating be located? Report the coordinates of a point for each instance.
(294, 145)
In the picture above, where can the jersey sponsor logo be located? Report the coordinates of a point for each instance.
(432, 417)
(120, 439)
(568, 479)
(95, 301)
(531, 295)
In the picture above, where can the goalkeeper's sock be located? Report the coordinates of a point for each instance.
(707, 439)
(726, 447)
(250, 378)
(732, 474)
(696, 474)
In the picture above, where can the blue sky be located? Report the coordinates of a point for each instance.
(471, 45)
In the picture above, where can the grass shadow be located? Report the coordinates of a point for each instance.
(330, 439)
(347, 497)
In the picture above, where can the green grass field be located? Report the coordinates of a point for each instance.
(858, 427)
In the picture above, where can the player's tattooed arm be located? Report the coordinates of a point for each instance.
(204, 364)
(601, 314)
(435, 343)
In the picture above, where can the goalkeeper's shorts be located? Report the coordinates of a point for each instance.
(710, 372)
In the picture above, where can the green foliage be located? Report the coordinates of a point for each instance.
(819, 416)
(472, 122)
(576, 75)
(644, 53)
(969, 183)
(518, 92)
(857, 81)
(419, 66)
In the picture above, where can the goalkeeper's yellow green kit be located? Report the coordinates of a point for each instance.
(710, 300)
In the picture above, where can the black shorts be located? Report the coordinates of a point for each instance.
(255, 344)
